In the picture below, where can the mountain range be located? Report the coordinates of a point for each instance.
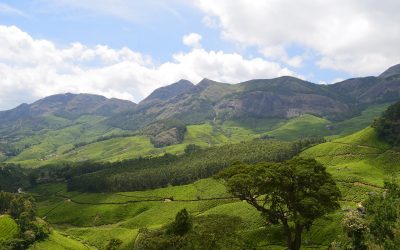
(165, 113)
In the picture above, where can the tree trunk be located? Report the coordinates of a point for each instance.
(297, 237)
(293, 244)
(288, 233)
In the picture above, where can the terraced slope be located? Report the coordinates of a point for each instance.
(60, 241)
(361, 161)
(8, 228)
(94, 219)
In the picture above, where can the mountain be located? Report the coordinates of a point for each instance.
(69, 106)
(209, 113)
(394, 70)
(283, 97)
(165, 93)
(57, 111)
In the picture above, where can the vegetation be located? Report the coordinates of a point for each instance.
(293, 193)
(145, 173)
(206, 232)
(383, 215)
(388, 125)
(22, 211)
(377, 224)
(12, 177)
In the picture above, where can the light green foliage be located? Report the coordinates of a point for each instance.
(60, 241)
(101, 236)
(302, 126)
(8, 228)
(358, 158)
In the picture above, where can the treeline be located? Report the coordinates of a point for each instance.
(148, 173)
(22, 210)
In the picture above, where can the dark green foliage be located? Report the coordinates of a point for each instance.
(383, 213)
(12, 177)
(293, 193)
(147, 173)
(208, 233)
(191, 148)
(8, 149)
(22, 210)
(388, 125)
(182, 223)
(114, 244)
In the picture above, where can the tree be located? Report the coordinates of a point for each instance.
(182, 224)
(293, 193)
(383, 211)
(356, 228)
(388, 125)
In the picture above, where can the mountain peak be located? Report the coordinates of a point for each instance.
(68, 106)
(169, 91)
(394, 70)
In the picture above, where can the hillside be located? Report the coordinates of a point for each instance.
(91, 139)
(360, 159)
(359, 163)
(82, 127)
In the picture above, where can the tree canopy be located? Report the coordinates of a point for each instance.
(293, 193)
(388, 125)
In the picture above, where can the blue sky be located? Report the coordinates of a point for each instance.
(231, 41)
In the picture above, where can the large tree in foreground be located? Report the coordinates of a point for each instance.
(293, 193)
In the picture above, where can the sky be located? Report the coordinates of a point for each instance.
(128, 48)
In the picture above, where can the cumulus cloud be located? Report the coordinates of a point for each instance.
(358, 36)
(33, 68)
(192, 40)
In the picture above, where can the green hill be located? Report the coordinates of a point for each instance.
(90, 139)
(361, 161)
(60, 241)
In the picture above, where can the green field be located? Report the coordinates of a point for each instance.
(8, 228)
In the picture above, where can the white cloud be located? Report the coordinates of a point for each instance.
(357, 36)
(32, 69)
(192, 40)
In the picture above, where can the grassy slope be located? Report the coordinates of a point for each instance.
(53, 146)
(302, 126)
(359, 161)
(48, 145)
(60, 241)
(8, 228)
(96, 224)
